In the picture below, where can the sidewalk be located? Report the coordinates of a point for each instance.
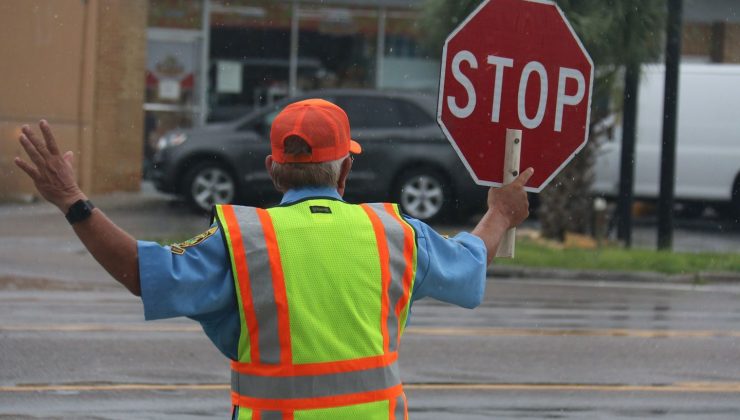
(37, 244)
(501, 271)
(38, 248)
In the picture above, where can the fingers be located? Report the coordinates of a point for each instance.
(522, 179)
(32, 151)
(27, 168)
(69, 157)
(37, 143)
(51, 142)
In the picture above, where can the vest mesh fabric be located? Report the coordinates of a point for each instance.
(332, 271)
(338, 307)
(369, 411)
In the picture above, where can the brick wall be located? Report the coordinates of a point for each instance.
(697, 39)
(80, 65)
(732, 43)
(717, 42)
(119, 95)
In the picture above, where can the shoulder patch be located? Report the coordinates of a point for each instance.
(179, 249)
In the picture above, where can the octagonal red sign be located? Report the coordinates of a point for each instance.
(515, 64)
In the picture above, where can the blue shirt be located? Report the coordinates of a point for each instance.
(198, 283)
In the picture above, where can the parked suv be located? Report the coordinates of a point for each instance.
(405, 158)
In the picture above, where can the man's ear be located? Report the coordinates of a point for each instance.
(344, 171)
(268, 165)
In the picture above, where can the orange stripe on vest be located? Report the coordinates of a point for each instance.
(315, 368)
(278, 284)
(408, 275)
(384, 272)
(240, 260)
(316, 403)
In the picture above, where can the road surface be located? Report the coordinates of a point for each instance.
(73, 344)
(534, 349)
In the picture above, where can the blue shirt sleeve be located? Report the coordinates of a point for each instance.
(451, 270)
(196, 283)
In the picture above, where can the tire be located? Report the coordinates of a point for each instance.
(207, 184)
(424, 193)
(735, 204)
(692, 210)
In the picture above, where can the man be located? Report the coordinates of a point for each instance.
(308, 299)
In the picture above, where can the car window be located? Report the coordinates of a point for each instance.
(264, 121)
(261, 123)
(268, 118)
(412, 115)
(371, 112)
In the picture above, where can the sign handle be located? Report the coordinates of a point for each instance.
(511, 171)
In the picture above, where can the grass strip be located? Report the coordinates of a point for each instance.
(532, 253)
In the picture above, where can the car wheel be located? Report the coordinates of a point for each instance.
(208, 184)
(424, 194)
(692, 210)
(735, 211)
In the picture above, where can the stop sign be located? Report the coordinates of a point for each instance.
(515, 64)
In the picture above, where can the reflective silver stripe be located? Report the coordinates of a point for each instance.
(395, 237)
(260, 275)
(400, 412)
(315, 386)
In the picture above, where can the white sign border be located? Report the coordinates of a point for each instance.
(440, 101)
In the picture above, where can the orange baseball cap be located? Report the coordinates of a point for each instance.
(323, 125)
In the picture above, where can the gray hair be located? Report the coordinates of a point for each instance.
(286, 176)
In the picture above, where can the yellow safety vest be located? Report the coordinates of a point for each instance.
(323, 289)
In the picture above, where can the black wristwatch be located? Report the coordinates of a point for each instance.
(79, 211)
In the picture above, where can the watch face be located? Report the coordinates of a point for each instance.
(80, 211)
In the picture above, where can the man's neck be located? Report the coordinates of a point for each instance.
(296, 194)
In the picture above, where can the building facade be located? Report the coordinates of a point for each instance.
(77, 64)
(113, 75)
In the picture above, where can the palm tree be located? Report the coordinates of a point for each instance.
(617, 34)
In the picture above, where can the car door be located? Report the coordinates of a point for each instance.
(254, 146)
(376, 124)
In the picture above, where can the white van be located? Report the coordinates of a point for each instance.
(708, 138)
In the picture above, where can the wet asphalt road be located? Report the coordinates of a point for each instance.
(73, 344)
(534, 349)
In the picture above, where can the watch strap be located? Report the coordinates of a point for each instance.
(79, 211)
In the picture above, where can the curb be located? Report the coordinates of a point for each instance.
(603, 275)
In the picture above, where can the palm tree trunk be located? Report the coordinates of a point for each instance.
(566, 204)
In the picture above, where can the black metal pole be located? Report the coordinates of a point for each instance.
(670, 111)
(627, 164)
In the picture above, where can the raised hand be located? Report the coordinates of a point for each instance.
(510, 201)
(52, 173)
